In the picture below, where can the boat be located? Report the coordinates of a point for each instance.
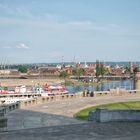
(20, 89)
(3, 91)
(54, 89)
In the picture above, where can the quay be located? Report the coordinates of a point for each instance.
(57, 111)
(54, 120)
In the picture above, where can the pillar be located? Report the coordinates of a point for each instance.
(137, 81)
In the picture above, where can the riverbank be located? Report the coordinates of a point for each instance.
(49, 81)
(72, 82)
(73, 86)
(29, 82)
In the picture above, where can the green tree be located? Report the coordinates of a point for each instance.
(64, 75)
(98, 70)
(22, 68)
(79, 72)
(102, 69)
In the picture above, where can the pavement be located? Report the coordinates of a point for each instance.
(54, 120)
(69, 107)
(24, 119)
(86, 131)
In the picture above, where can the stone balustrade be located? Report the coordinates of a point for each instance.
(42, 100)
(111, 92)
(133, 91)
(101, 93)
(9, 107)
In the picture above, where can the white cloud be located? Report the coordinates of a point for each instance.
(22, 46)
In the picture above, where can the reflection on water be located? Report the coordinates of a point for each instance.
(127, 84)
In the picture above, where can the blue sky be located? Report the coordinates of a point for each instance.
(47, 30)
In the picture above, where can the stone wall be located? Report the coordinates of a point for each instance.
(9, 107)
(43, 100)
(5, 109)
(105, 115)
(3, 120)
(111, 92)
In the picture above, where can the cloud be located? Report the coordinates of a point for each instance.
(22, 46)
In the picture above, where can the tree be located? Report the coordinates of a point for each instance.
(63, 74)
(22, 68)
(79, 72)
(98, 70)
(102, 69)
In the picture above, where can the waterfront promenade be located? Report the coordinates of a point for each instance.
(56, 113)
(54, 121)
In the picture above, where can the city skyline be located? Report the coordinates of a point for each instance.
(44, 31)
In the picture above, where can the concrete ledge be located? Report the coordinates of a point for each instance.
(9, 107)
(105, 115)
(43, 100)
(111, 92)
(101, 93)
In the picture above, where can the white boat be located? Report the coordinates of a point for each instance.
(54, 89)
(50, 90)
(20, 89)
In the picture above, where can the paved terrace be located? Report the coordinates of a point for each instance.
(87, 131)
(57, 120)
(58, 112)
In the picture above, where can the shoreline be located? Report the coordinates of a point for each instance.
(29, 82)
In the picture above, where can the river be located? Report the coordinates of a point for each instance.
(127, 84)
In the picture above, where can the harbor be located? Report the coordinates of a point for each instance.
(20, 93)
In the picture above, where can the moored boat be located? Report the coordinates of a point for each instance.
(55, 89)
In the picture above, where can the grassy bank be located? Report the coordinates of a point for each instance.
(83, 114)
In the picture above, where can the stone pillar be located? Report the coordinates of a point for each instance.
(137, 81)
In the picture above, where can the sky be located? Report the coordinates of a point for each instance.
(45, 31)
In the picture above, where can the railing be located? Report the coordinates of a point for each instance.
(42, 100)
(9, 107)
(3, 110)
(111, 92)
